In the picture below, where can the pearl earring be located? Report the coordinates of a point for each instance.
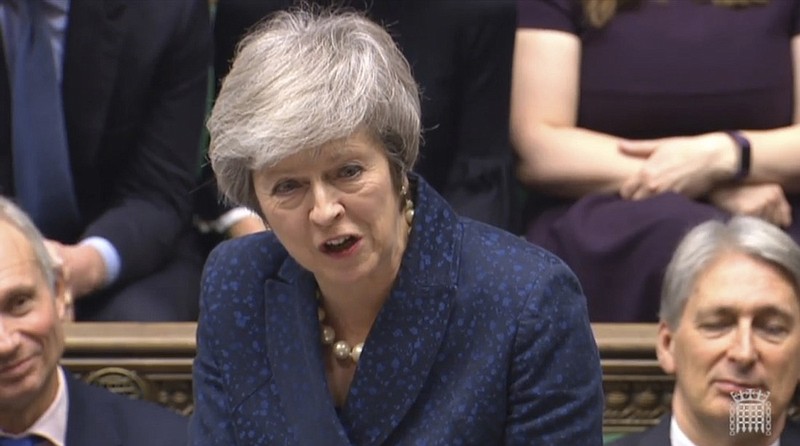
(408, 206)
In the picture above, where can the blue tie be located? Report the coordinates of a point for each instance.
(42, 176)
(31, 440)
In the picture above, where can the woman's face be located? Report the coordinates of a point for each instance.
(336, 210)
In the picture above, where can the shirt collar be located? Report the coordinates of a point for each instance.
(52, 425)
(678, 437)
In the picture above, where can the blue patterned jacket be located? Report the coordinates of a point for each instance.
(484, 340)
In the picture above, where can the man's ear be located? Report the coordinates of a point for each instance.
(665, 348)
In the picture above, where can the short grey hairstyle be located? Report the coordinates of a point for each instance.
(708, 241)
(304, 78)
(17, 218)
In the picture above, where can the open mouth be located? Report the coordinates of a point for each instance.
(339, 244)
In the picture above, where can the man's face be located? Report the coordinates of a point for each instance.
(31, 335)
(740, 330)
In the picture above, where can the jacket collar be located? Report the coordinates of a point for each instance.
(401, 347)
(659, 435)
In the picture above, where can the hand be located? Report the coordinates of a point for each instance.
(690, 166)
(766, 201)
(83, 266)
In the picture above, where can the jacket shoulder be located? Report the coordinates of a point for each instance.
(136, 421)
(657, 435)
(791, 433)
(497, 266)
(260, 253)
(496, 246)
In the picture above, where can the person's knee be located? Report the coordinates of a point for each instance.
(171, 294)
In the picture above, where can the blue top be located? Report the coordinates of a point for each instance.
(484, 340)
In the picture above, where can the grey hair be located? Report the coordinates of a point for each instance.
(16, 217)
(708, 241)
(302, 79)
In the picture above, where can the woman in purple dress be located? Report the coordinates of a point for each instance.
(636, 120)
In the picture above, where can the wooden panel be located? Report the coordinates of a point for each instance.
(637, 392)
(142, 360)
(154, 361)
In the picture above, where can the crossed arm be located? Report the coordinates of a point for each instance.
(558, 157)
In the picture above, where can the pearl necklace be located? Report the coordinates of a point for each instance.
(341, 349)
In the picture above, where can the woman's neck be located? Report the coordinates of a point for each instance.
(351, 310)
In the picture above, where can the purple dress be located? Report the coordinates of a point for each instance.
(662, 68)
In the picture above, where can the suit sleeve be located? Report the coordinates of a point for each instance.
(211, 423)
(481, 182)
(555, 394)
(152, 194)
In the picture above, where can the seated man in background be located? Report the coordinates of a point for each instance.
(729, 331)
(101, 112)
(40, 403)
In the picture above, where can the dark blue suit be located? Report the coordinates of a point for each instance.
(97, 417)
(484, 340)
(658, 435)
(134, 92)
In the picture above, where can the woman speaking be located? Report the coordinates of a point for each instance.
(370, 314)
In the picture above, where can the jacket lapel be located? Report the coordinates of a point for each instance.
(94, 39)
(791, 433)
(659, 435)
(89, 420)
(403, 343)
(400, 349)
(295, 357)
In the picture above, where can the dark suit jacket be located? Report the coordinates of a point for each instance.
(97, 417)
(484, 340)
(658, 435)
(461, 55)
(134, 89)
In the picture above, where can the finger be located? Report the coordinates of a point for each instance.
(629, 188)
(775, 219)
(642, 193)
(784, 214)
(644, 189)
(642, 149)
(771, 212)
(54, 249)
(634, 188)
